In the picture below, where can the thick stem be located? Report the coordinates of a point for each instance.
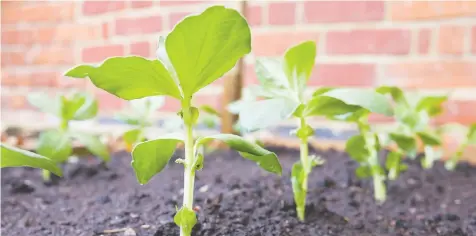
(380, 191)
(46, 175)
(306, 165)
(189, 174)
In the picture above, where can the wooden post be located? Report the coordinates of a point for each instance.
(232, 89)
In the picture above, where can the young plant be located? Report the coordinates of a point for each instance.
(15, 157)
(198, 51)
(282, 87)
(470, 139)
(139, 115)
(57, 143)
(412, 115)
(364, 149)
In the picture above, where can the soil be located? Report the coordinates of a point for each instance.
(234, 197)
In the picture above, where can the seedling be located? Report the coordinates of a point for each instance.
(470, 139)
(15, 157)
(199, 50)
(364, 149)
(57, 143)
(282, 88)
(413, 124)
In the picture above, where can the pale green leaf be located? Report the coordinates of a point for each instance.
(356, 147)
(432, 104)
(71, 105)
(471, 136)
(45, 103)
(363, 172)
(150, 157)
(88, 110)
(209, 110)
(93, 144)
(264, 113)
(270, 73)
(202, 48)
(185, 219)
(249, 150)
(328, 106)
(15, 157)
(396, 93)
(55, 145)
(405, 142)
(145, 106)
(132, 136)
(298, 63)
(297, 177)
(429, 138)
(129, 77)
(365, 98)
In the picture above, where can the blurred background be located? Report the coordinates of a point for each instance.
(427, 47)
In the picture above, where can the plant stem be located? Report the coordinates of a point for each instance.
(64, 125)
(380, 191)
(46, 175)
(189, 174)
(306, 165)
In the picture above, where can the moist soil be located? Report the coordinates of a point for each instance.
(235, 197)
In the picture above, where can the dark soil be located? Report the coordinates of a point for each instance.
(235, 197)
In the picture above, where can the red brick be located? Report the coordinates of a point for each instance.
(424, 41)
(140, 49)
(451, 40)
(14, 102)
(171, 105)
(17, 37)
(108, 102)
(249, 75)
(176, 17)
(69, 33)
(473, 41)
(458, 111)
(68, 82)
(44, 12)
(101, 7)
(282, 13)
(385, 41)
(100, 53)
(343, 75)
(44, 79)
(426, 10)
(276, 43)
(12, 58)
(15, 79)
(430, 74)
(213, 100)
(166, 3)
(254, 15)
(141, 4)
(131, 26)
(53, 56)
(343, 11)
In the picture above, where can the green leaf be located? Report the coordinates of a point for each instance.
(298, 63)
(185, 219)
(305, 132)
(365, 98)
(396, 93)
(202, 48)
(144, 106)
(88, 110)
(363, 172)
(249, 150)
(45, 103)
(405, 142)
(270, 73)
(264, 113)
(150, 157)
(471, 136)
(327, 106)
(393, 161)
(55, 145)
(130, 77)
(209, 110)
(93, 144)
(297, 177)
(15, 157)
(356, 148)
(198, 163)
(70, 105)
(432, 104)
(133, 136)
(429, 138)
(321, 91)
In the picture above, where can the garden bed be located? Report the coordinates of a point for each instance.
(235, 197)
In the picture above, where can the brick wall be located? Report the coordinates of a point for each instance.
(429, 47)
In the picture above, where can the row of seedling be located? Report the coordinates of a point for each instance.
(201, 49)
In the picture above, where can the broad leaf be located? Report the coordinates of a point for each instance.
(356, 148)
(396, 93)
(70, 105)
(328, 106)
(249, 150)
(93, 144)
(405, 142)
(186, 219)
(429, 138)
(129, 77)
(132, 136)
(45, 103)
(431, 104)
(202, 48)
(15, 157)
(150, 157)
(270, 73)
(471, 136)
(144, 106)
(368, 99)
(88, 110)
(209, 110)
(55, 145)
(298, 63)
(264, 113)
(363, 172)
